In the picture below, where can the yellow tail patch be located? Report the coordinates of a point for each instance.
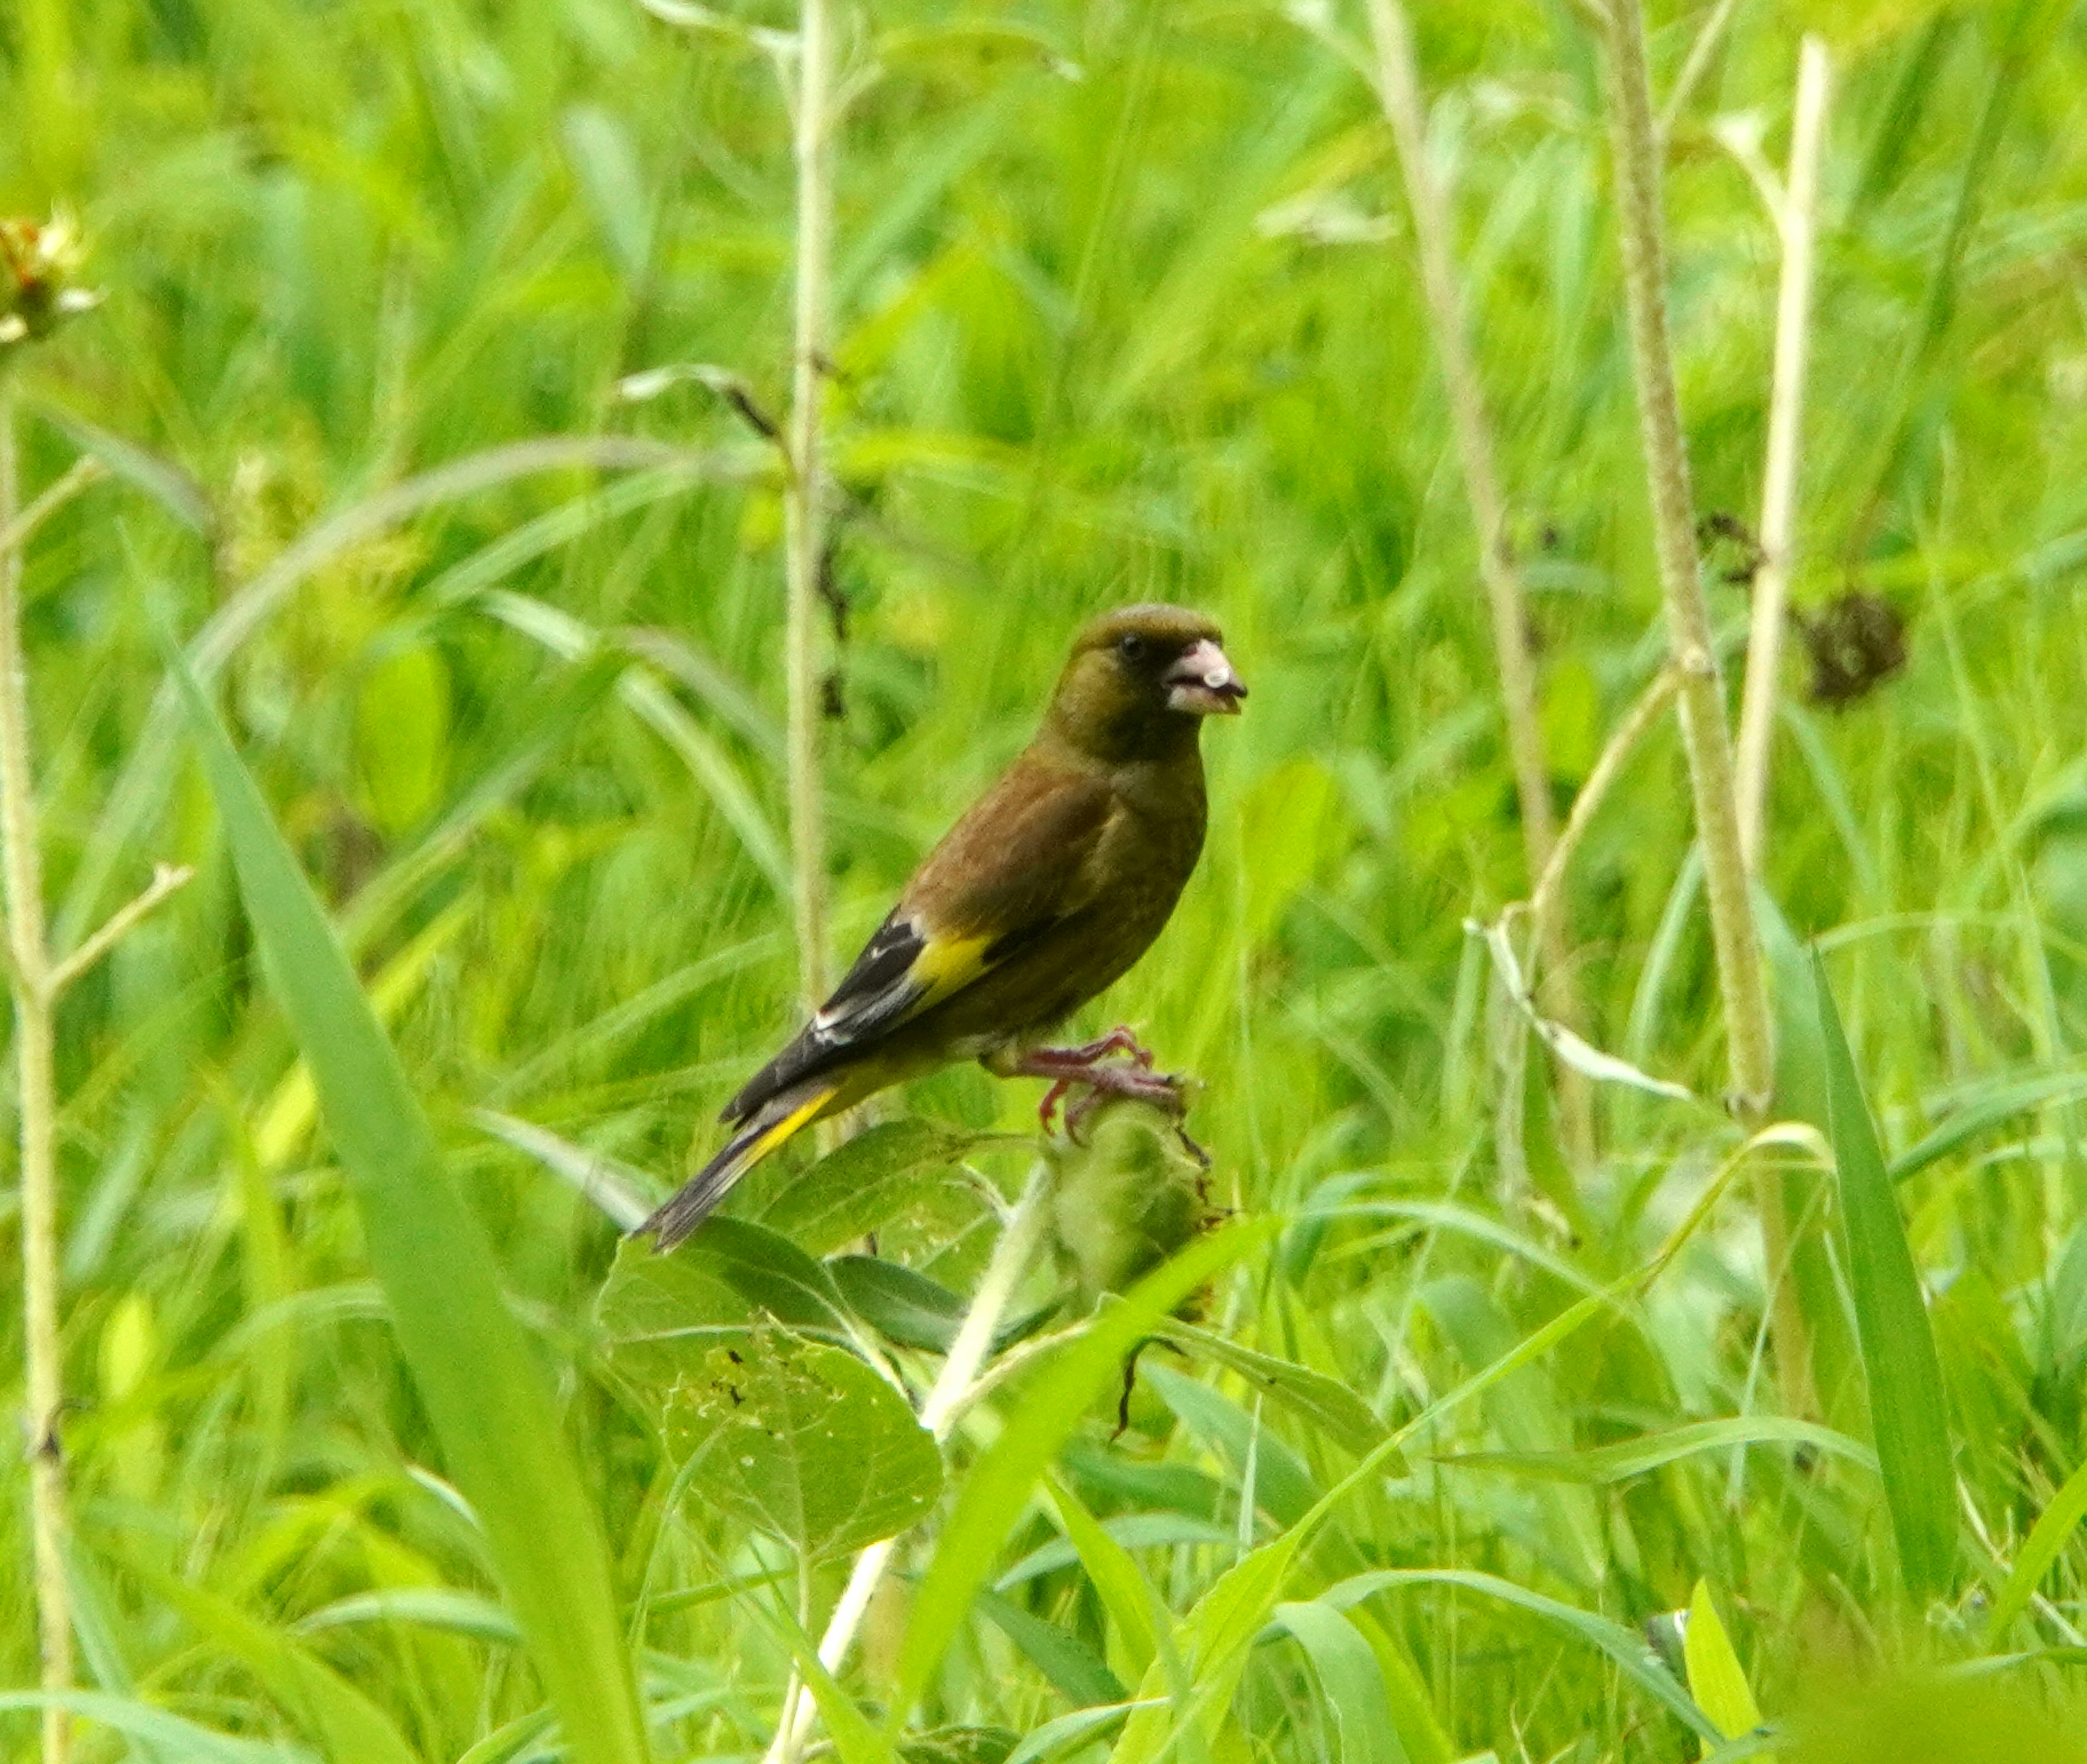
(798, 1118)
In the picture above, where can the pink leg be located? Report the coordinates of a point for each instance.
(1119, 1039)
(1083, 1067)
(1046, 1110)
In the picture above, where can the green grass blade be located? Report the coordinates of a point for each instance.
(1350, 1682)
(1628, 1458)
(998, 1486)
(1626, 1647)
(2054, 1527)
(1908, 1413)
(484, 1389)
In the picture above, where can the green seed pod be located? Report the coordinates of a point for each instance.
(1126, 1199)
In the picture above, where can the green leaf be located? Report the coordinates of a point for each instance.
(1716, 1679)
(186, 1739)
(483, 1387)
(2054, 1527)
(658, 1312)
(402, 730)
(803, 1441)
(1114, 1574)
(1627, 1649)
(1908, 1414)
(429, 1608)
(1082, 1727)
(1350, 1682)
(1212, 1640)
(903, 1307)
(1076, 1671)
(958, 1744)
(1988, 1107)
(1634, 1457)
(348, 1726)
(1283, 1487)
(1052, 1403)
(1324, 1402)
(866, 1183)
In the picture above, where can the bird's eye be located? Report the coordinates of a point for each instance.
(1130, 646)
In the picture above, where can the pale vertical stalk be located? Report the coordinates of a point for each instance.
(805, 524)
(944, 1402)
(1798, 225)
(1399, 92)
(37, 1103)
(1398, 89)
(1705, 738)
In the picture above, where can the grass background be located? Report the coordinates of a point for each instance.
(1124, 309)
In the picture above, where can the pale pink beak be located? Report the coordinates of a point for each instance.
(1202, 683)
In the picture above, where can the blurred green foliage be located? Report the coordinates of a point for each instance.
(1124, 309)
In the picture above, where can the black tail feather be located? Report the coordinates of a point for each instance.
(768, 1126)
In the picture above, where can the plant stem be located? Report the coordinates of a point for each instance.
(1399, 92)
(1638, 721)
(804, 508)
(1798, 225)
(1693, 66)
(1705, 738)
(944, 1402)
(30, 981)
(1398, 88)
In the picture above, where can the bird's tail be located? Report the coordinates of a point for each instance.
(770, 1126)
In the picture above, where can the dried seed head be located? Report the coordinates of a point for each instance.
(1856, 642)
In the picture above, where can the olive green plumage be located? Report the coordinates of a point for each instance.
(1047, 891)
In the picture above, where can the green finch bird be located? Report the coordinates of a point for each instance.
(1050, 888)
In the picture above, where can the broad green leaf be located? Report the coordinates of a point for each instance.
(802, 1441)
(1716, 1679)
(1051, 1405)
(655, 1311)
(1283, 1486)
(484, 1390)
(868, 1182)
(1077, 1672)
(1634, 1457)
(904, 1306)
(1908, 1413)
(2053, 1530)
(1349, 1682)
(1627, 1649)
(1325, 1402)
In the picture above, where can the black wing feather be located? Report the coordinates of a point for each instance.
(875, 991)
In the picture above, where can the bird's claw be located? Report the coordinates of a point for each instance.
(1082, 1065)
(1162, 1089)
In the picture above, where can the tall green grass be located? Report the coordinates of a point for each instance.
(1124, 307)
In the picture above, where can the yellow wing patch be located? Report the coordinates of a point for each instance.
(946, 965)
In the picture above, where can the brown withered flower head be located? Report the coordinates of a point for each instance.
(1856, 643)
(39, 266)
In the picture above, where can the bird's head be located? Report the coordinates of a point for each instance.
(1141, 679)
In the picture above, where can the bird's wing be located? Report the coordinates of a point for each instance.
(1017, 863)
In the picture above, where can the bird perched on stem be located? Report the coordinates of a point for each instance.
(1055, 881)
